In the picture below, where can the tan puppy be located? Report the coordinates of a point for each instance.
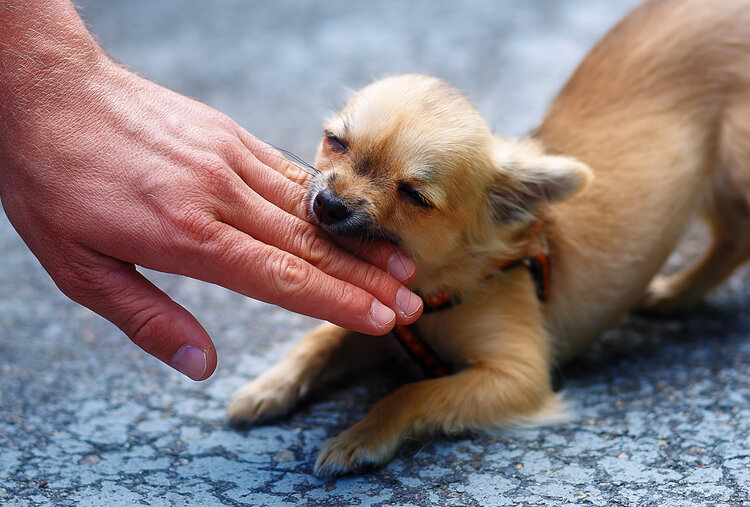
(660, 112)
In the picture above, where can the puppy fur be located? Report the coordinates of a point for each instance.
(652, 129)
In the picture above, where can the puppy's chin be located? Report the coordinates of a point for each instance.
(360, 226)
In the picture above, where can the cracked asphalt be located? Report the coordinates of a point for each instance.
(86, 418)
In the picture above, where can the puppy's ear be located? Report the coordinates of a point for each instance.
(525, 181)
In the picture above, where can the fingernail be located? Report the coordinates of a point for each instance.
(407, 302)
(401, 267)
(190, 361)
(381, 314)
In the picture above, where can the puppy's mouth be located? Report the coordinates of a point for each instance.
(345, 218)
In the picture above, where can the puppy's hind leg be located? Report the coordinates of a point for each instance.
(728, 214)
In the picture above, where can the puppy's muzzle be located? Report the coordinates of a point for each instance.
(329, 208)
(346, 218)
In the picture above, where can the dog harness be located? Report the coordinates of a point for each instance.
(538, 266)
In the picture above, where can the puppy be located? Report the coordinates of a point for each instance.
(538, 244)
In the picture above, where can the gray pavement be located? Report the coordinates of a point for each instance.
(86, 418)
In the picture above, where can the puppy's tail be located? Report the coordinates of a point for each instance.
(556, 410)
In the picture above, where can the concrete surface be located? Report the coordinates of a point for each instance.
(88, 419)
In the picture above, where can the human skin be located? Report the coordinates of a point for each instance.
(102, 171)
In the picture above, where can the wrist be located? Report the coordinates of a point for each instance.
(43, 47)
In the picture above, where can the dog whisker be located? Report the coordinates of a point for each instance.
(293, 159)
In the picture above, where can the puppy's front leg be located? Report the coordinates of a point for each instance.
(276, 391)
(325, 354)
(492, 392)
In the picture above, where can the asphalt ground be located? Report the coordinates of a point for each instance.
(86, 418)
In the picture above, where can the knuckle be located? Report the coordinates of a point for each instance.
(189, 210)
(344, 296)
(372, 278)
(186, 222)
(217, 180)
(229, 148)
(224, 145)
(289, 275)
(226, 123)
(213, 170)
(80, 281)
(316, 249)
(193, 224)
(146, 327)
(208, 232)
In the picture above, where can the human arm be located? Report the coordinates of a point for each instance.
(102, 171)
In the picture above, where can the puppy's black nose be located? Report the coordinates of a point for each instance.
(329, 207)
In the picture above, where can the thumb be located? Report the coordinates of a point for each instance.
(119, 293)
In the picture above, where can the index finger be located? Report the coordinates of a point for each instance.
(296, 170)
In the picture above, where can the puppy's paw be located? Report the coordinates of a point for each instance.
(269, 396)
(354, 451)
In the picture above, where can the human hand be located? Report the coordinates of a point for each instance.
(103, 171)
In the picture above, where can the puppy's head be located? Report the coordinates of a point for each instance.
(410, 160)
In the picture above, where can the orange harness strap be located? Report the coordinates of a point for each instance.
(538, 266)
(420, 352)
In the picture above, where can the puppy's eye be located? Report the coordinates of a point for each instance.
(413, 196)
(335, 143)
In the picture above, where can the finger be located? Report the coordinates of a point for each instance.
(288, 164)
(161, 327)
(291, 199)
(254, 212)
(385, 256)
(274, 187)
(274, 159)
(273, 275)
(287, 232)
(264, 170)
